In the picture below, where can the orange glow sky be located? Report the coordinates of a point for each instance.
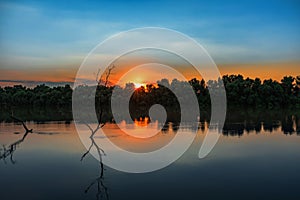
(262, 70)
(275, 71)
(46, 41)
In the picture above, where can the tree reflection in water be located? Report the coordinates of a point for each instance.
(102, 190)
(235, 125)
(9, 151)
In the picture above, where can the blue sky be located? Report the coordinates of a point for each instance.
(37, 34)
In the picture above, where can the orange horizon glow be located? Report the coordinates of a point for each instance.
(275, 71)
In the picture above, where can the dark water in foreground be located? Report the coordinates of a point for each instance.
(261, 163)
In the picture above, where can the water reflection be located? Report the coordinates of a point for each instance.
(231, 158)
(8, 151)
(288, 125)
(236, 124)
(102, 190)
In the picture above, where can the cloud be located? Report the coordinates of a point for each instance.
(16, 7)
(41, 36)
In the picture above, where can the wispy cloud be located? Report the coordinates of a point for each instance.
(39, 35)
(11, 7)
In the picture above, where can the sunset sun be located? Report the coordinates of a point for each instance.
(138, 85)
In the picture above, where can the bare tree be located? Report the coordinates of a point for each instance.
(9, 151)
(101, 123)
(102, 190)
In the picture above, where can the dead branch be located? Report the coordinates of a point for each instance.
(99, 180)
(24, 125)
(9, 152)
(102, 190)
(107, 75)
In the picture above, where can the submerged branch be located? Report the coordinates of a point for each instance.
(24, 125)
(101, 188)
(9, 151)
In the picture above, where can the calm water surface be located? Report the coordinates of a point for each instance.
(243, 165)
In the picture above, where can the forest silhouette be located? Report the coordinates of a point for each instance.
(251, 102)
(240, 92)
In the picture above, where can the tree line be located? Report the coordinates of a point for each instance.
(41, 95)
(240, 92)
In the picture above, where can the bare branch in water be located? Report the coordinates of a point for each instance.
(24, 125)
(101, 188)
(9, 151)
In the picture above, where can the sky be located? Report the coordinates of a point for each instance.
(47, 40)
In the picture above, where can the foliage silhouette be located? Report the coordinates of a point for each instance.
(240, 91)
